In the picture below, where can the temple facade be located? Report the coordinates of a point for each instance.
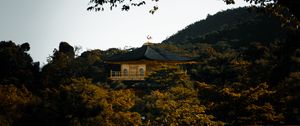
(139, 63)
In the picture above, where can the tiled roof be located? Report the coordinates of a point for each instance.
(147, 52)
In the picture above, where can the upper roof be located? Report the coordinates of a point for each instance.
(147, 52)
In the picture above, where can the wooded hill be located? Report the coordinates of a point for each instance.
(237, 26)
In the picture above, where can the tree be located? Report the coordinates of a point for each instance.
(15, 104)
(88, 104)
(16, 65)
(165, 77)
(288, 93)
(58, 68)
(233, 106)
(286, 10)
(292, 5)
(98, 5)
(177, 106)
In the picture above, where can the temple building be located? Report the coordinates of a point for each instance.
(139, 63)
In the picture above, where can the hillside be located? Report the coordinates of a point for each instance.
(241, 26)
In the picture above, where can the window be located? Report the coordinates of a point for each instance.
(125, 72)
(142, 72)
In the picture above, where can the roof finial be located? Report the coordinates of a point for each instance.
(149, 39)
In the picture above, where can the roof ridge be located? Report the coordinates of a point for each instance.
(159, 51)
(146, 50)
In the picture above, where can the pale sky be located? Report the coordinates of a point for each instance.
(45, 23)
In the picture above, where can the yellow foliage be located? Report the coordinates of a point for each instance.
(126, 119)
(230, 92)
(240, 62)
(177, 106)
(12, 102)
(122, 99)
(259, 91)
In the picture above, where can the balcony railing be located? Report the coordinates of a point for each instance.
(118, 75)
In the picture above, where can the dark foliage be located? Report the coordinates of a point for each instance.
(16, 66)
(237, 26)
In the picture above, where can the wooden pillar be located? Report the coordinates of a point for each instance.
(110, 73)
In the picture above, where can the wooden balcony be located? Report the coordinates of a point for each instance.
(118, 75)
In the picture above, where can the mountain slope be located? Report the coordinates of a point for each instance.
(238, 26)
